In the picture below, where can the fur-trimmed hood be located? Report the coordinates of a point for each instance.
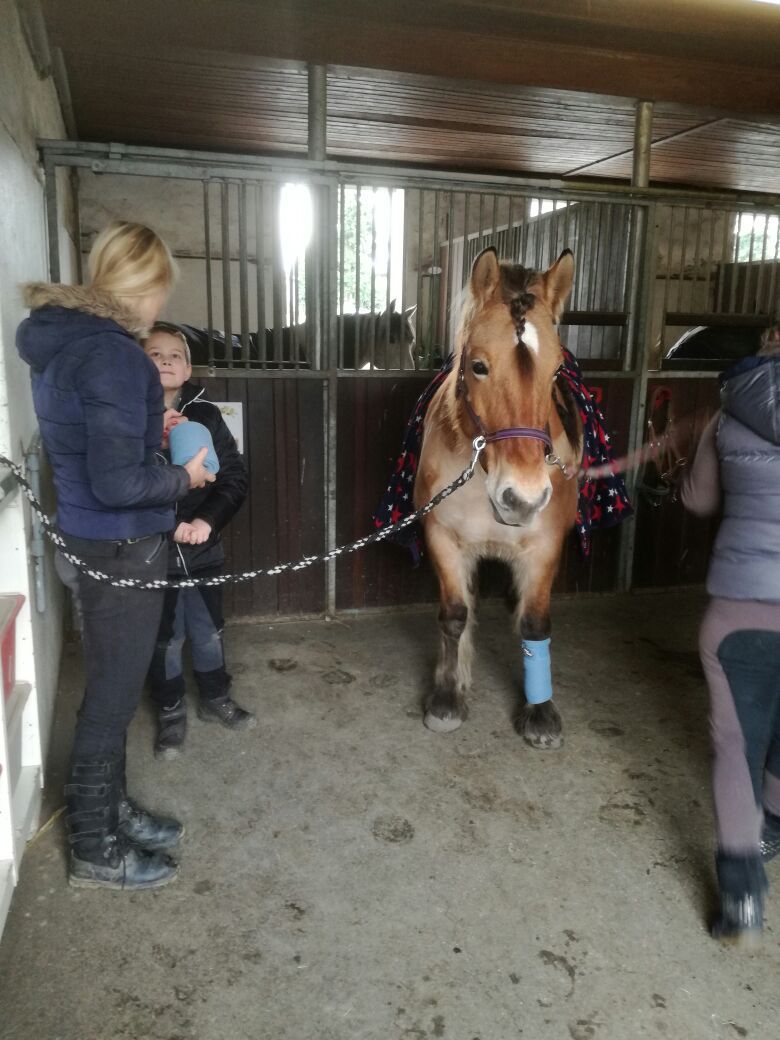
(82, 298)
(63, 315)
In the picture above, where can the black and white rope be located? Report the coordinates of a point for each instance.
(234, 579)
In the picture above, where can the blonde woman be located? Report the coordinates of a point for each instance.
(99, 404)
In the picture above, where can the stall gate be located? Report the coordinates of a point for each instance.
(320, 297)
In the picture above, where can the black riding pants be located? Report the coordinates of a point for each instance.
(119, 633)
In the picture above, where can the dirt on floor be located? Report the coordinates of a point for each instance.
(348, 875)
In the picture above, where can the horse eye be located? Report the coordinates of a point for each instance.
(479, 368)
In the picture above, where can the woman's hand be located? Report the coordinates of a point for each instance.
(196, 533)
(199, 475)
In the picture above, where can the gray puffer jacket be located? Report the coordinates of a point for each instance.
(746, 558)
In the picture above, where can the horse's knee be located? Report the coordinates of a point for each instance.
(453, 618)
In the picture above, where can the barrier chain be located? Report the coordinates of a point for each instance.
(478, 446)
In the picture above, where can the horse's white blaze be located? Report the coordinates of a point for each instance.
(531, 337)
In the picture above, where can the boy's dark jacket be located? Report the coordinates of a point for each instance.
(99, 403)
(216, 503)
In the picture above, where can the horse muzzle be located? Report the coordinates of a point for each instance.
(515, 510)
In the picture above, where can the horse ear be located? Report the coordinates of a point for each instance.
(485, 275)
(556, 283)
(391, 308)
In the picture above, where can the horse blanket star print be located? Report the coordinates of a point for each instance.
(602, 503)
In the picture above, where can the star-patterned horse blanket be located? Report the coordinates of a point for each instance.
(602, 502)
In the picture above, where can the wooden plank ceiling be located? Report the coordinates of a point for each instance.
(230, 76)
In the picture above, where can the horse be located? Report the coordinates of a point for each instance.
(366, 340)
(378, 340)
(521, 502)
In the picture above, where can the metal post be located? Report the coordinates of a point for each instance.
(52, 219)
(636, 358)
(322, 209)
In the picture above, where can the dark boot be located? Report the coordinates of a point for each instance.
(216, 704)
(171, 731)
(102, 857)
(138, 825)
(742, 883)
(770, 836)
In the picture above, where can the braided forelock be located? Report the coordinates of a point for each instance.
(515, 282)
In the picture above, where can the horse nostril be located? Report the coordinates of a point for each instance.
(544, 498)
(509, 498)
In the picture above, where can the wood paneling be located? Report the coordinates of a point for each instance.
(283, 517)
(372, 419)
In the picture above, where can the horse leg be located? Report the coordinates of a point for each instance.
(538, 720)
(445, 707)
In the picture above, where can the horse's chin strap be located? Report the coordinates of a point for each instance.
(530, 432)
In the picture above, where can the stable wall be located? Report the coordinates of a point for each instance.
(28, 109)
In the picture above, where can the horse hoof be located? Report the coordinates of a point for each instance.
(541, 726)
(442, 724)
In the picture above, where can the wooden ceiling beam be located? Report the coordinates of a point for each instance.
(690, 60)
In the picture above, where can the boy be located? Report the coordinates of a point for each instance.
(196, 549)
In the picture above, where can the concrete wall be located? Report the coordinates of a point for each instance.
(28, 109)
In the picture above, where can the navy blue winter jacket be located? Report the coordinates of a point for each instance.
(99, 403)
(215, 503)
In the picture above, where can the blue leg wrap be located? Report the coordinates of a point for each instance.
(536, 668)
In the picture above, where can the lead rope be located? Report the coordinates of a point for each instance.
(477, 445)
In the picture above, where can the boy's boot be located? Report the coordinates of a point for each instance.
(742, 883)
(171, 730)
(215, 703)
(168, 695)
(101, 856)
(155, 833)
(770, 836)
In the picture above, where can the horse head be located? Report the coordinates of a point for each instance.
(508, 357)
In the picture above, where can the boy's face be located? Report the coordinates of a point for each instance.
(167, 352)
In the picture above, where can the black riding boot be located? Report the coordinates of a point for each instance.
(216, 704)
(101, 856)
(155, 833)
(742, 884)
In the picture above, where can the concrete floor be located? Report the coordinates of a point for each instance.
(347, 874)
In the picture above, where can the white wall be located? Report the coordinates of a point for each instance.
(28, 109)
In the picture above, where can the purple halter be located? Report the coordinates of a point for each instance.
(461, 390)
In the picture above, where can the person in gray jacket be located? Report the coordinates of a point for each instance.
(737, 467)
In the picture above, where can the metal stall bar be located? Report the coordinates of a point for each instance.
(372, 302)
(404, 255)
(388, 275)
(209, 287)
(277, 279)
(637, 346)
(419, 312)
(226, 293)
(260, 271)
(52, 219)
(243, 273)
(356, 331)
(339, 360)
(447, 321)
